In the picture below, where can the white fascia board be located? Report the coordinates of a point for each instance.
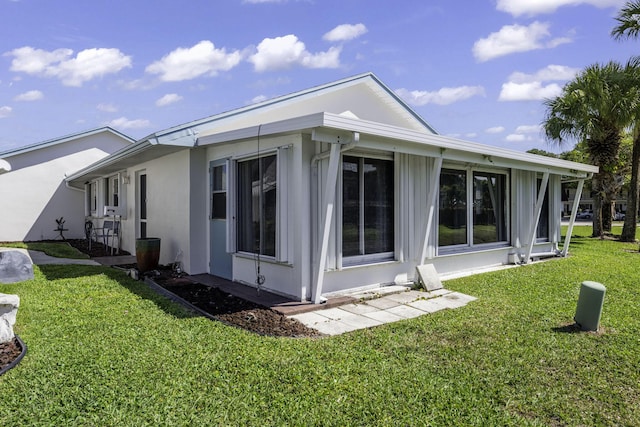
(410, 142)
(116, 157)
(447, 143)
(285, 126)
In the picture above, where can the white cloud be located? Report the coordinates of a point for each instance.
(188, 63)
(495, 129)
(513, 137)
(107, 108)
(549, 73)
(345, 32)
(528, 129)
(124, 123)
(524, 133)
(515, 38)
(531, 87)
(167, 99)
(257, 99)
(287, 51)
(32, 95)
(72, 71)
(5, 111)
(535, 7)
(444, 96)
(534, 91)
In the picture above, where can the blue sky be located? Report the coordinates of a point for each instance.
(477, 69)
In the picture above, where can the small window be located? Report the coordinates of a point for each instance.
(219, 193)
(112, 191)
(92, 197)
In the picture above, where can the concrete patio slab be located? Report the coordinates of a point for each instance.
(428, 305)
(406, 312)
(382, 303)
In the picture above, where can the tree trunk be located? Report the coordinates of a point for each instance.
(596, 183)
(631, 216)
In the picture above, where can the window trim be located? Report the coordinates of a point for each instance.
(283, 245)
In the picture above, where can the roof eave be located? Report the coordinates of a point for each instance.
(490, 154)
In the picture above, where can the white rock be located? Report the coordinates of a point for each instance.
(8, 311)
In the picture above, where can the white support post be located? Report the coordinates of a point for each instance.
(431, 206)
(328, 204)
(538, 209)
(574, 212)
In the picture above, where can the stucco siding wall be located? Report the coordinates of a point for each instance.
(167, 206)
(33, 194)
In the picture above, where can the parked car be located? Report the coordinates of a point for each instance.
(619, 216)
(587, 214)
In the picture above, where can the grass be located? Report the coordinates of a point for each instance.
(104, 350)
(55, 249)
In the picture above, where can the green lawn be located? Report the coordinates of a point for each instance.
(58, 249)
(103, 350)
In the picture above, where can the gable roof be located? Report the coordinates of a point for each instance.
(387, 100)
(61, 140)
(381, 105)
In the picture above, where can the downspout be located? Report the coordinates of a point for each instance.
(70, 187)
(534, 224)
(328, 204)
(431, 203)
(574, 212)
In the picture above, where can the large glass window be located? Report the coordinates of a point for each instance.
(257, 206)
(489, 223)
(452, 228)
(472, 208)
(542, 232)
(367, 206)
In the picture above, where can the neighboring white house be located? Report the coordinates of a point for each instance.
(33, 190)
(337, 187)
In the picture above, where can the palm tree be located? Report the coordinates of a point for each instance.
(632, 105)
(628, 21)
(629, 27)
(590, 109)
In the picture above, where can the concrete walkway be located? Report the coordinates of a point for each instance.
(40, 258)
(396, 304)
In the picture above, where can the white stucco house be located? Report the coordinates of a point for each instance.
(337, 187)
(33, 190)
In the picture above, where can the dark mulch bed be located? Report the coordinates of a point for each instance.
(97, 248)
(9, 351)
(233, 310)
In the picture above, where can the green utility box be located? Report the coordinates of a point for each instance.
(590, 303)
